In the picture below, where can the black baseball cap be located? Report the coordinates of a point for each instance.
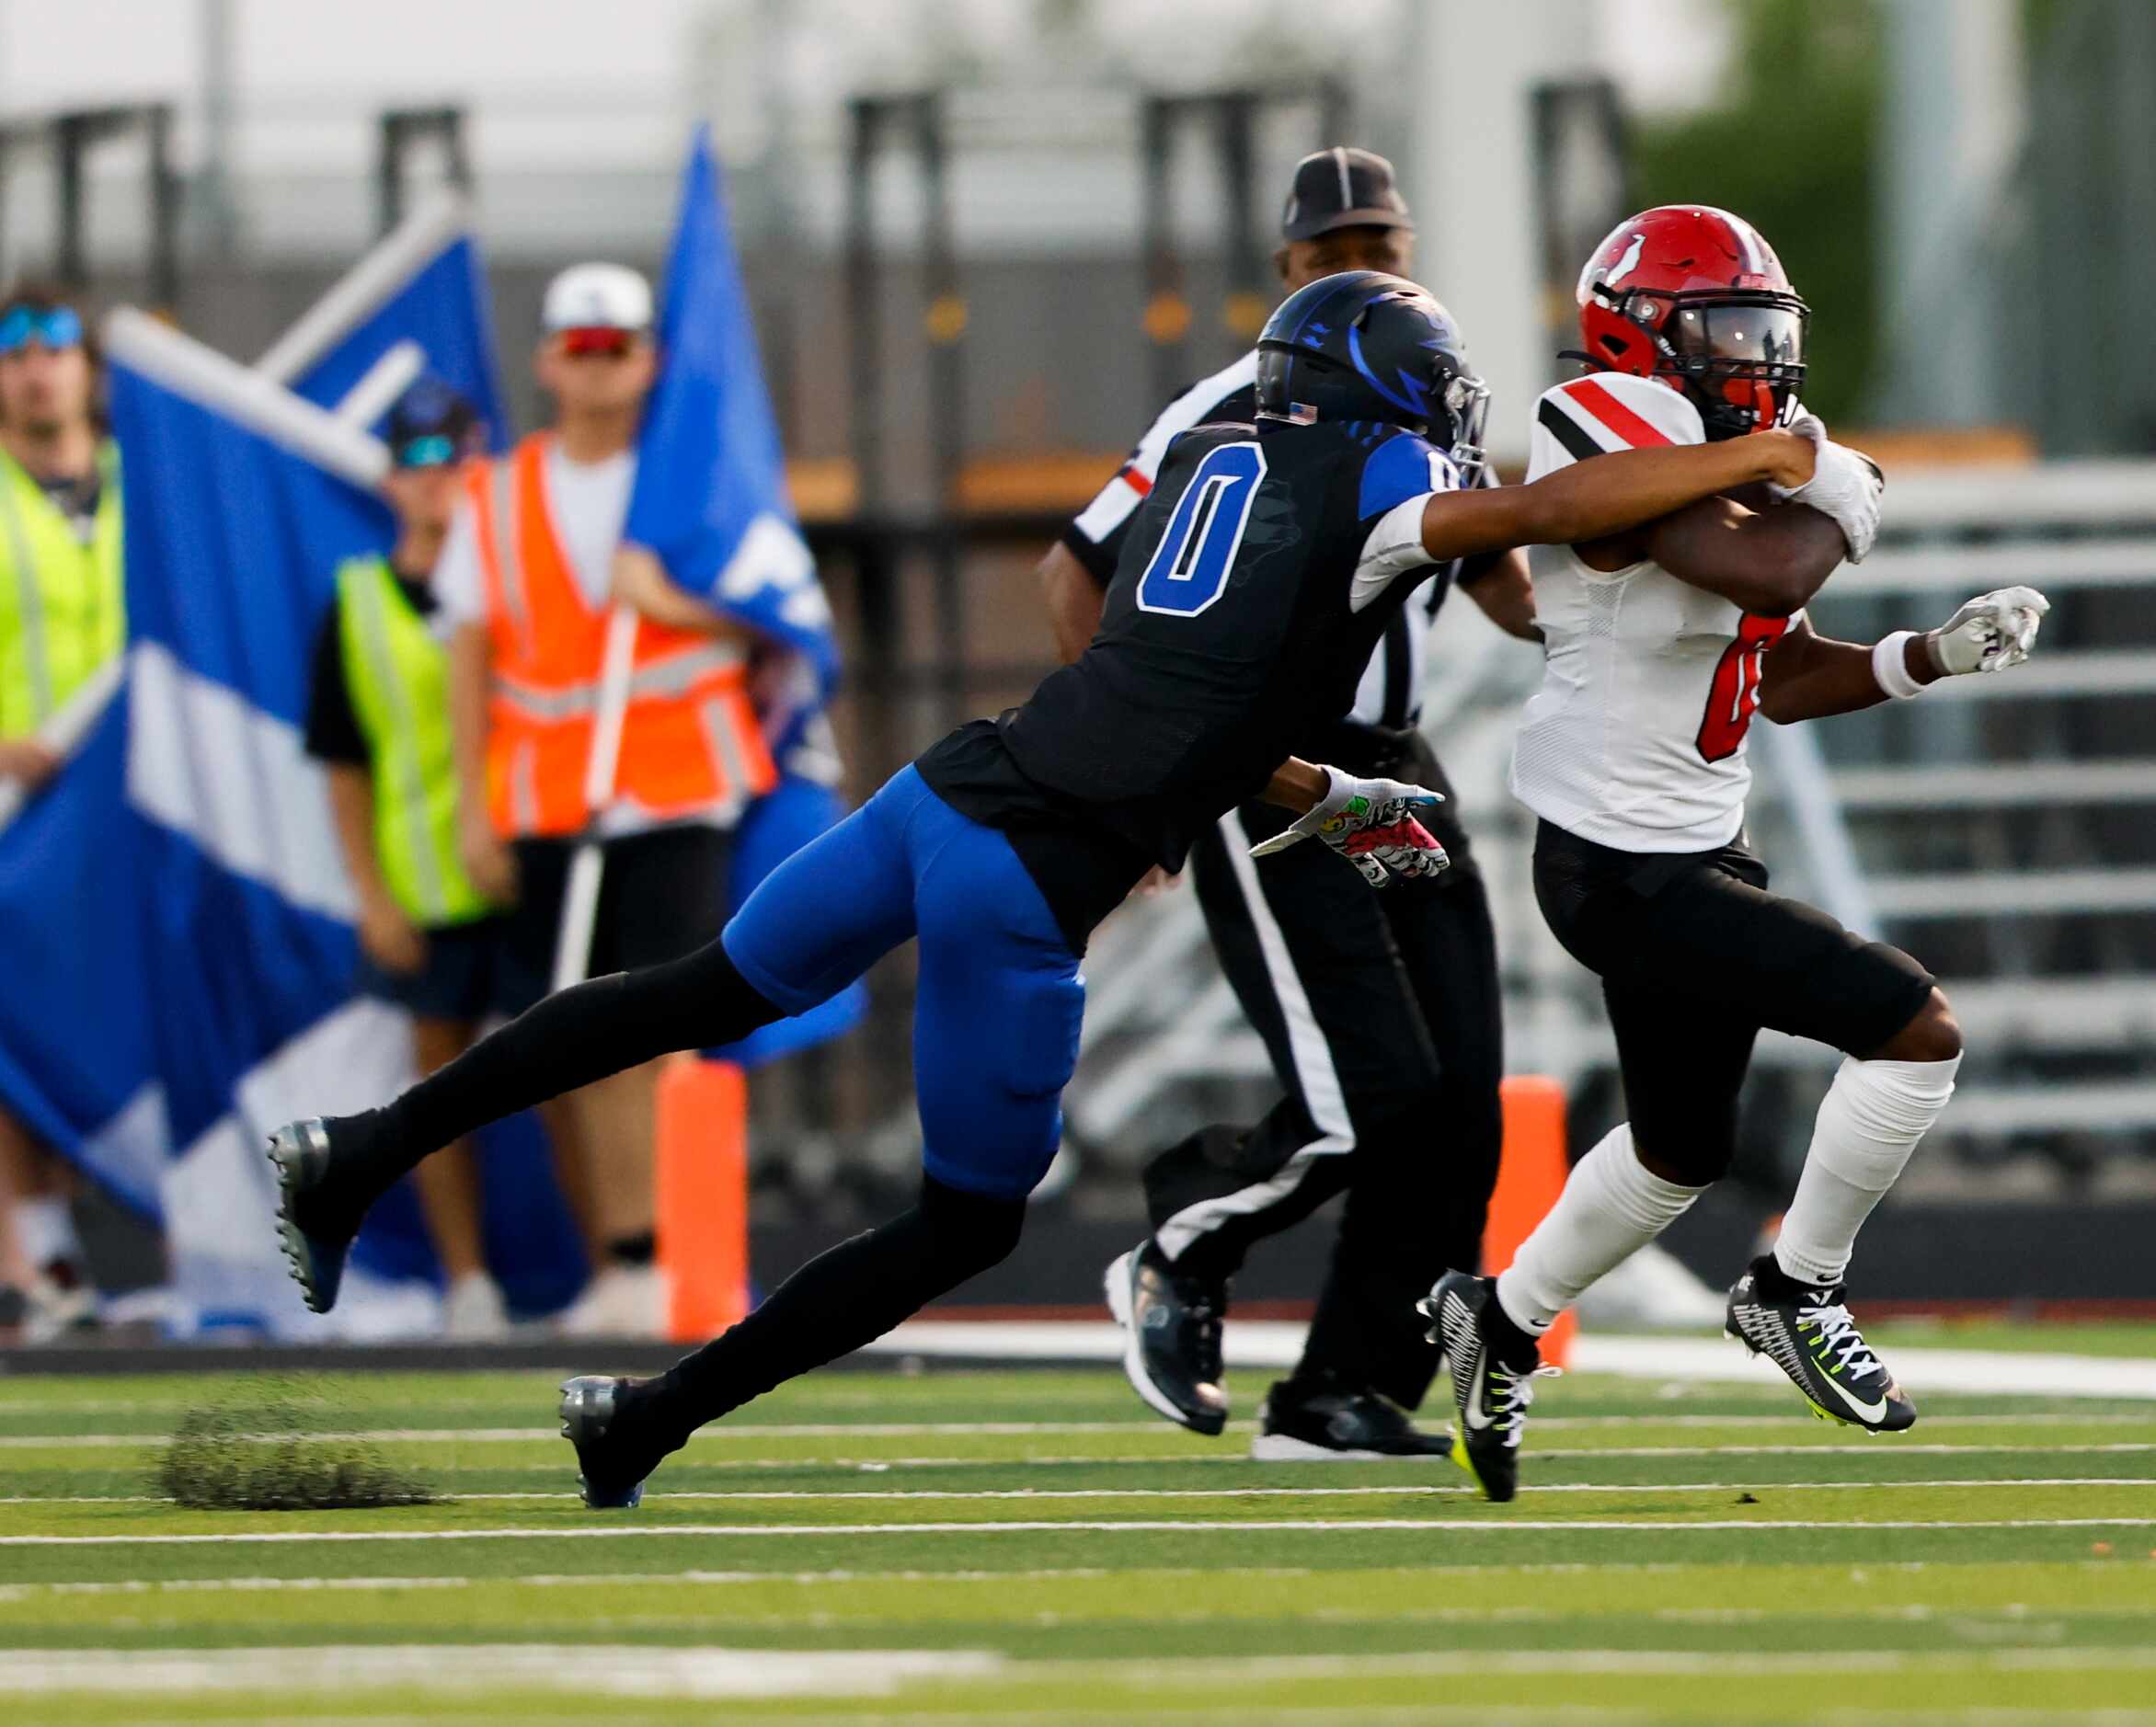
(1343, 188)
(430, 426)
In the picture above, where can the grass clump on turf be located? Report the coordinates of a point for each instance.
(275, 1445)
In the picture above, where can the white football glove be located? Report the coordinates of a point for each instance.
(1371, 824)
(1846, 486)
(1990, 633)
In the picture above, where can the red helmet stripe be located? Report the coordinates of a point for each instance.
(1613, 414)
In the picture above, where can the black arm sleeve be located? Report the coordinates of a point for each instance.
(333, 726)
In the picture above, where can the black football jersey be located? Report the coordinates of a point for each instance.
(1244, 609)
(1390, 695)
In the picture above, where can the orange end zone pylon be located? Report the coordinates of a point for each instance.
(1531, 1174)
(703, 1192)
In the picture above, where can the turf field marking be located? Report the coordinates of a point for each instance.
(1394, 1490)
(753, 1432)
(514, 1436)
(1867, 1448)
(636, 1671)
(1041, 1526)
(1337, 1492)
(646, 1672)
(553, 1580)
(15, 1593)
(876, 1466)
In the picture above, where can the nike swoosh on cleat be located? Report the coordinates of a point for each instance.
(1870, 1412)
(1472, 1413)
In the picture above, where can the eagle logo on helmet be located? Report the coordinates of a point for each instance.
(1628, 263)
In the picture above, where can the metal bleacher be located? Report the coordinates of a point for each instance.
(2008, 824)
(2002, 829)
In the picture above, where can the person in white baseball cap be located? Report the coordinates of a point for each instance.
(597, 297)
(533, 564)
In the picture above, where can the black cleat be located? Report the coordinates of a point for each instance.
(1316, 1423)
(315, 1225)
(613, 1456)
(1171, 1337)
(1808, 1332)
(1492, 1395)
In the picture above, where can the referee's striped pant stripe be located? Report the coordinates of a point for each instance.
(1316, 1078)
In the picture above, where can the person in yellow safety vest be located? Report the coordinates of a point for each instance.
(378, 719)
(62, 618)
(534, 564)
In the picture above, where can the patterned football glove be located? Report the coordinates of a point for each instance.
(1371, 824)
(1846, 486)
(1991, 633)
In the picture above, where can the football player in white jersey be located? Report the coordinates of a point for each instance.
(1661, 645)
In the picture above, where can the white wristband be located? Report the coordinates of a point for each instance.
(1890, 667)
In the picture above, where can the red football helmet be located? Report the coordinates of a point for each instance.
(1696, 297)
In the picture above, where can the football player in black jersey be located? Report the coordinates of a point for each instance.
(1381, 1015)
(1243, 613)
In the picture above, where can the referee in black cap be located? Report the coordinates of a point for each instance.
(1380, 1011)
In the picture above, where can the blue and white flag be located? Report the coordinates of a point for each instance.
(711, 501)
(175, 912)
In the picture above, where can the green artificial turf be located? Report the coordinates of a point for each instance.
(1034, 1546)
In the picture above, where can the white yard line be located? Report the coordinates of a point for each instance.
(1279, 1344)
(880, 1466)
(753, 1433)
(634, 1672)
(739, 1432)
(1349, 1493)
(1396, 1490)
(16, 1592)
(1503, 1525)
(647, 1672)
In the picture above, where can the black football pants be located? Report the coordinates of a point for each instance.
(1379, 1008)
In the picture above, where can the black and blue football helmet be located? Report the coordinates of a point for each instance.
(1365, 346)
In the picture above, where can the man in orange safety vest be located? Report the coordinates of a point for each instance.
(534, 566)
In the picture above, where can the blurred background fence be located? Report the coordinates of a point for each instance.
(985, 238)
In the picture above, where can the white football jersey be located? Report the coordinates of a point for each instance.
(1636, 739)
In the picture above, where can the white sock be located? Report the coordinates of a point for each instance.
(1868, 1124)
(46, 1229)
(1611, 1207)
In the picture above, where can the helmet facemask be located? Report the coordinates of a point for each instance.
(1467, 400)
(1736, 353)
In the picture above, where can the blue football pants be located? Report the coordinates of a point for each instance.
(999, 1000)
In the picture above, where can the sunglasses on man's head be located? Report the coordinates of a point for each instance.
(54, 328)
(604, 340)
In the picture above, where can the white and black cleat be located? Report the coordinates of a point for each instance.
(1329, 1423)
(1492, 1395)
(1810, 1333)
(612, 1464)
(316, 1233)
(1171, 1338)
